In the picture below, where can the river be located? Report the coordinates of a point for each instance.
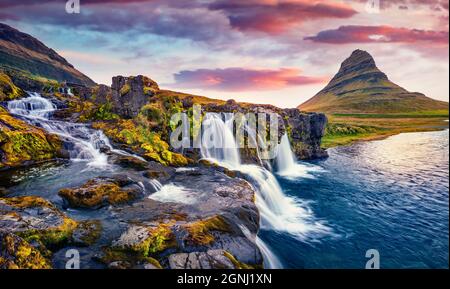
(390, 195)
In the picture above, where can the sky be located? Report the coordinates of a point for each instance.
(279, 52)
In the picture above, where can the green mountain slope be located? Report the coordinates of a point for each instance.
(22, 54)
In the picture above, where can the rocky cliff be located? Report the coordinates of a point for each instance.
(361, 87)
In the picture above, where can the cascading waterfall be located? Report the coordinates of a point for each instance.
(278, 211)
(287, 165)
(84, 143)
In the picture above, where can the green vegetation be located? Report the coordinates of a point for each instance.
(9, 91)
(21, 142)
(344, 129)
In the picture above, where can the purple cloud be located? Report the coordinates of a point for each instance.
(243, 79)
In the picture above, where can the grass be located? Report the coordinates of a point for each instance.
(345, 129)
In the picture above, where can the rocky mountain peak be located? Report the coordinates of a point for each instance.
(359, 60)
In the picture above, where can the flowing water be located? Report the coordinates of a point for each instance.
(278, 212)
(389, 195)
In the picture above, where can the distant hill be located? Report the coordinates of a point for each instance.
(360, 87)
(21, 53)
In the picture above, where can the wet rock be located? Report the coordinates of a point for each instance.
(211, 259)
(16, 253)
(36, 220)
(87, 233)
(220, 207)
(100, 192)
(128, 162)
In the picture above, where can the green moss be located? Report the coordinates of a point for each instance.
(125, 89)
(199, 232)
(21, 142)
(142, 140)
(94, 194)
(239, 265)
(130, 259)
(9, 91)
(19, 254)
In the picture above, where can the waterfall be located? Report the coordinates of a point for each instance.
(220, 147)
(287, 165)
(285, 158)
(278, 211)
(83, 143)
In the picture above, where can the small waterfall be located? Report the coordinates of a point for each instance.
(287, 164)
(220, 147)
(278, 211)
(285, 158)
(83, 143)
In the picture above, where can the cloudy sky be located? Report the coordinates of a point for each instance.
(280, 52)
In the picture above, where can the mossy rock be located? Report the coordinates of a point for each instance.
(199, 232)
(142, 141)
(21, 143)
(36, 220)
(16, 253)
(99, 192)
(87, 233)
(239, 265)
(145, 240)
(9, 91)
(120, 259)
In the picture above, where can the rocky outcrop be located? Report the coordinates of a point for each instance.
(37, 220)
(205, 224)
(8, 90)
(130, 94)
(305, 132)
(23, 144)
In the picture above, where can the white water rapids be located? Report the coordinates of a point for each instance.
(278, 212)
(83, 143)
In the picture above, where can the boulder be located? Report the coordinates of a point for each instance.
(101, 192)
(37, 220)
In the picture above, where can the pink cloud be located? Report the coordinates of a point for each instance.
(277, 16)
(243, 79)
(379, 34)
